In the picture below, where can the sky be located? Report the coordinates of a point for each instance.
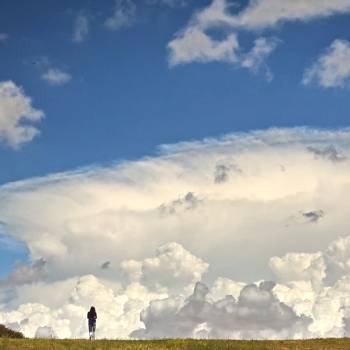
(175, 162)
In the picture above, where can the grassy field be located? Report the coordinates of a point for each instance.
(37, 344)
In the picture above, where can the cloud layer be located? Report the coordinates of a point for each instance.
(160, 242)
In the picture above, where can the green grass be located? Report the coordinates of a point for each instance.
(38, 344)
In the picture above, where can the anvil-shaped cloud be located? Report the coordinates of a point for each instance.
(165, 223)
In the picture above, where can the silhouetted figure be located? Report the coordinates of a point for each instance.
(92, 316)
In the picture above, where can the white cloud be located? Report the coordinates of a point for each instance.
(173, 266)
(299, 267)
(115, 214)
(265, 13)
(196, 46)
(123, 16)
(225, 286)
(105, 210)
(81, 28)
(254, 60)
(332, 69)
(55, 77)
(257, 314)
(15, 110)
(260, 14)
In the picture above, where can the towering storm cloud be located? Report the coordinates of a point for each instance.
(181, 244)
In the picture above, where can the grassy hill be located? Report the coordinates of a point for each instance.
(8, 333)
(37, 344)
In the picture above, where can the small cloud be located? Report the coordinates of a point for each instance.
(222, 172)
(15, 109)
(194, 45)
(123, 16)
(3, 37)
(106, 265)
(328, 153)
(305, 217)
(55, 76)
(188, 202)
(331, 69)
(313, 216)
(81, 28)
(254, 60)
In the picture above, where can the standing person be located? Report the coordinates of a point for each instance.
(92, 316)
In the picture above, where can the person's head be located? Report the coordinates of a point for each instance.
(92, 310)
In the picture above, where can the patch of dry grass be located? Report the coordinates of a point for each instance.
(177, 344)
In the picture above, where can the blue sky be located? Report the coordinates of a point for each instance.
(123, 99)
(97, 86)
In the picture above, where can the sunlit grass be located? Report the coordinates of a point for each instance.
(38, 344)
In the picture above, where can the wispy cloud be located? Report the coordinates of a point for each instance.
(332, 68)
(255, 59)
(268, 13)
(124, 15)
(81, 28)
(55, 77)
(3, 37)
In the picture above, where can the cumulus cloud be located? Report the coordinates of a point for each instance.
(256, 314)
(331, 69)
(123, 15)
(299, 267)
(173, 267)
(81, 28)
(194, 44)
(16, 115)
(112, 214)
(56, 77)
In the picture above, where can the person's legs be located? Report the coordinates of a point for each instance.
(90, 331)
(93, 331)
